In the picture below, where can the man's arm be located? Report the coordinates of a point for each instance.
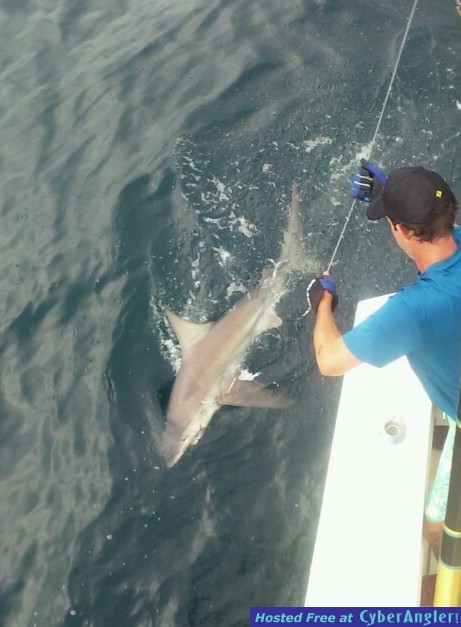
(333, 356)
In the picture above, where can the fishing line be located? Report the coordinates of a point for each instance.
(380, 119)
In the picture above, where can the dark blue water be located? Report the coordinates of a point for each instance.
(147, 152)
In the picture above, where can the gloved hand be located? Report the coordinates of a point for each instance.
(315, 291)
(367, 176)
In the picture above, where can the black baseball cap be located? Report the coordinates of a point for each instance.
(408, 196)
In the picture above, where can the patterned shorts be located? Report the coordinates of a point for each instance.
(436, 502)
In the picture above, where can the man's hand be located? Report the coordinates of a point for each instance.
(317, 289)
(332, 355)
(367, 176)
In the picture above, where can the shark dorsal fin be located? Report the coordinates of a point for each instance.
(189, 333)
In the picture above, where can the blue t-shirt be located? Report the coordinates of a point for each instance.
(423, 322)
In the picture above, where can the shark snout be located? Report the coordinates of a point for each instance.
(172, 449)
(175, 442)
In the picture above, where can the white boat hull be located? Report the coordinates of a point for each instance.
(369, 549)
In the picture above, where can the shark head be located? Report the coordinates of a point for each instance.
(177, 439)
(173, 447)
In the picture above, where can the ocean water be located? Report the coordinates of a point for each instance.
(147, 153)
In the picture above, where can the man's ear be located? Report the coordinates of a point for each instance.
(405, 231)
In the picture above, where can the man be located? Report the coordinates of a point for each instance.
(421, 321)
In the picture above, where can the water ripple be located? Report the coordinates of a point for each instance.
(146, 159)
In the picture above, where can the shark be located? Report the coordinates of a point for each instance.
(212, 353)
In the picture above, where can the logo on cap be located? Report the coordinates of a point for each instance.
(438, 193)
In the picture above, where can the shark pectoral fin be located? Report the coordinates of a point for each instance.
(189, 333)
(253, 394)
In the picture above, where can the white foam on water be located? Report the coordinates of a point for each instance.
(242, 225)
(235, 287)
(195, 264)
(246, 375)
(216, 221)
(224, 192)
(221, 193)
(341, 170)
(169, 348)
(223, 254)
(310, 144)
(191, 164)
(171, 351)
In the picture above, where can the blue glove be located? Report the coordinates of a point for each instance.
(315, 291)
(367, 175)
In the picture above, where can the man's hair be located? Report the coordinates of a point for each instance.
(441, 222)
